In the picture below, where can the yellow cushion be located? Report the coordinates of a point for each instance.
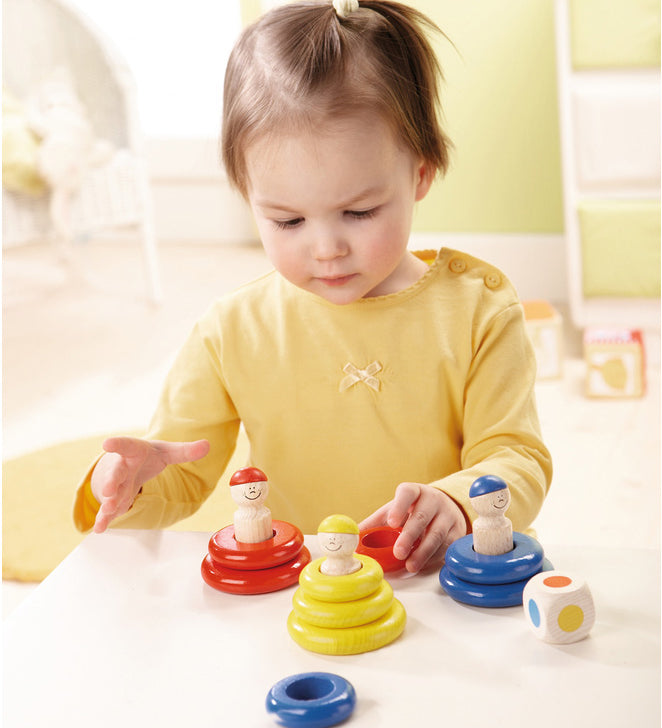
(37, 496)
(620, 248)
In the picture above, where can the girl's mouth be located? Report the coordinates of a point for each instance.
(335, 281)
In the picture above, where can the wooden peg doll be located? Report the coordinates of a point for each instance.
(252, 520)
(492, 531)
(338, 537)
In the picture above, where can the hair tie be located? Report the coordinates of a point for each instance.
(344, 7)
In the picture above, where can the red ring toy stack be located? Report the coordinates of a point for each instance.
(240, 567)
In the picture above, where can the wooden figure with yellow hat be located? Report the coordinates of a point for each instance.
(343, 605)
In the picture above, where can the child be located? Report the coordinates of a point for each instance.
(368, 382)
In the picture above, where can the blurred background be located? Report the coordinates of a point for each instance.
(119, 228)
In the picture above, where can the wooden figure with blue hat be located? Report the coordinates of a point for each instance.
(491, 566)
(492, 531)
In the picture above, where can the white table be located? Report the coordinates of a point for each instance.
(125, 633)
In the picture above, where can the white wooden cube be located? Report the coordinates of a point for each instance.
(558, 607)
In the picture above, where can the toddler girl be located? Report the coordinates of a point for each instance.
(369, 380)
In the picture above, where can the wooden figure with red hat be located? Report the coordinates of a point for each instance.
(252, 520)
(256, 554)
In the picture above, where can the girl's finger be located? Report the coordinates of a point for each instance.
(181, 452)
(378, 518)
(406, 494)
(421, 514)
(128, 447)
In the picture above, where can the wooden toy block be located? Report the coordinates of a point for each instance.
(615, 363)
(343, 610)
(311, 700)
(558, 607)
(256, 554)
(545, 327)
(491, 566)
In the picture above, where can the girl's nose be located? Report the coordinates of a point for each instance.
(329, 244)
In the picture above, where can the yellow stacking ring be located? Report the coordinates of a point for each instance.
(351, 640)
(343, 588)
(343, 614)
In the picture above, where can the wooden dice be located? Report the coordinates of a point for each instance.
(558, 607)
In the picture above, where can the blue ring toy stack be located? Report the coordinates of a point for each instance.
(486, 580)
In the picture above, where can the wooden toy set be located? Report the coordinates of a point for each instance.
(343, 604)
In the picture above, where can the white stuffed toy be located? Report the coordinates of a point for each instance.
(67, 146)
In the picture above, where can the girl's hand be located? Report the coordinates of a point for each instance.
(423, 512)
(129, 463)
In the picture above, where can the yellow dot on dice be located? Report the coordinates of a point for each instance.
(570, 618)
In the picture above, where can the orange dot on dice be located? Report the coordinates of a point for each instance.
(557, 582)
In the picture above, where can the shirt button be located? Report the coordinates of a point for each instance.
(492, 280)
(458, 265)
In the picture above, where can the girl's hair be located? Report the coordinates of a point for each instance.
(301, 63)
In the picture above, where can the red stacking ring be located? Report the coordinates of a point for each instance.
(378, 543)
(226, 551)
(254, 581)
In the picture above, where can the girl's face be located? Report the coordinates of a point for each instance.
(334, 208)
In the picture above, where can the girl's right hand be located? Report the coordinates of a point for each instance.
(127, 464)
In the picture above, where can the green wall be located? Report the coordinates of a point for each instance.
(500, 105)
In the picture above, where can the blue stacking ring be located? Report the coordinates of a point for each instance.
(521, 563)
(486, 595)
(482, 595)
(311, 700)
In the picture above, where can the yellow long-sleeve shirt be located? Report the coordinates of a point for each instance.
(433, 384)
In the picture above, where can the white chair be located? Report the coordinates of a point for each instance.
(38, 37)
(609, 100)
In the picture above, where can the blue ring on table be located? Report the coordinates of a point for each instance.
(311, 700)
(521, 563)
(508, 594)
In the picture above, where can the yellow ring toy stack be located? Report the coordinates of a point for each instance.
(343, 605)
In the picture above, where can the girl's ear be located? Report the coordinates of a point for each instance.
(424, 177)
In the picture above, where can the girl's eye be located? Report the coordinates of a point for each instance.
(362, 214)
(288, 224)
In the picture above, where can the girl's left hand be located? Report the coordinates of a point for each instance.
(424, 513)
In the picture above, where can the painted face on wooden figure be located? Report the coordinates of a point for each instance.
(491, 503)
(338, 544)
(490, 496)
(246, 494)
